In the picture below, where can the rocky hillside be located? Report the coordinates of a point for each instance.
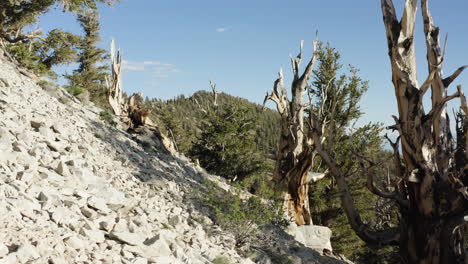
(75, 190)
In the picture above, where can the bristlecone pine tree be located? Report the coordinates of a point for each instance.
(432, 187)
(91, 74)
(431, 190)
(294, 157)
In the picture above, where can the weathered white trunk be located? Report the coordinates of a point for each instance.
(294, 157)
(432, 221)
(431, 190)
(114, 83)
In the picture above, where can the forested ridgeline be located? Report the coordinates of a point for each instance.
(185, 117)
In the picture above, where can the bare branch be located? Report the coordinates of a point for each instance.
(427, 83)
(36, 34)
(308, 70)
(408, 20)
(447, 81)
(382, 237)
(463, 102)
(215, 94)
(277, 96)
(114, 82)
(435, 111)
(396, 196)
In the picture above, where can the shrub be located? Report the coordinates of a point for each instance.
(107, 117)
(221, 260)
(243, 217)
(75, 90)
(27, 58)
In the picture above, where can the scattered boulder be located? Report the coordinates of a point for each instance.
(312, 236)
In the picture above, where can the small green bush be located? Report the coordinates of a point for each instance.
(244, 218)
(27, 58)
(221, 260)
(107, 117)
(75, 90)
(43, 83)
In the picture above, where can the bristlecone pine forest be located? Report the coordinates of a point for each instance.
(95, 171)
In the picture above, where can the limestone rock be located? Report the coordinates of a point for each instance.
(3, 250)
(27, 253)
(98, 204)
(62, 169)
(94, 235)
(74, 242)
(128, 238)
(312, 236)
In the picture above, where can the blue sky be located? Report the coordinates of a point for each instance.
(174, 47)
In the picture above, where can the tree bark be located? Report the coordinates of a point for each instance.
(114, 84)
(294, 159)
(432, 224)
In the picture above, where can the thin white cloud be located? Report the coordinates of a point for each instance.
(151, 62)
(156, 69)
(132, 66)
(151, 84)
(221, 29)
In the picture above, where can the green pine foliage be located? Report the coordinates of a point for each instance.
(226, 146)
(343, 91)
(185, 115)
(91, 72)
(39, 56)
(242, 216)
(33, 50)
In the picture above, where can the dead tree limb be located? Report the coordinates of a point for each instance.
(114, 82)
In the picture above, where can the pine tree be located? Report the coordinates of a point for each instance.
(32, 49)
(337, 94)
(226, 146)
(90, 74)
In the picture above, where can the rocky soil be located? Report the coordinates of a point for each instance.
(76, 190)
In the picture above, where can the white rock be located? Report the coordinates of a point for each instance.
(99, 204)
(156, 248)
(10, 259)
(107, 224)
(62, 169)
(55, 146)
(58, 260)
(312, 236)
(129, 238)
(74, 242)
(94, 235)
(87, 212)
(139, 260)
(36, 124)
(27, 176)
(121, 226)
(27, 253)
(3, 250)
(8, 191)
(62, 216)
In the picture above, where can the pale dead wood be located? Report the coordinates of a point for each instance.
(114, 82)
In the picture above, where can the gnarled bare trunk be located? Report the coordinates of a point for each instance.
(431, 189)
(114, 83)
(294, 157)
(432, 223)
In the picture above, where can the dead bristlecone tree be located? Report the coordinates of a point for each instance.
(114, 82)
(430, 189)
(431, 185)
(295, 156)
(132, 112)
